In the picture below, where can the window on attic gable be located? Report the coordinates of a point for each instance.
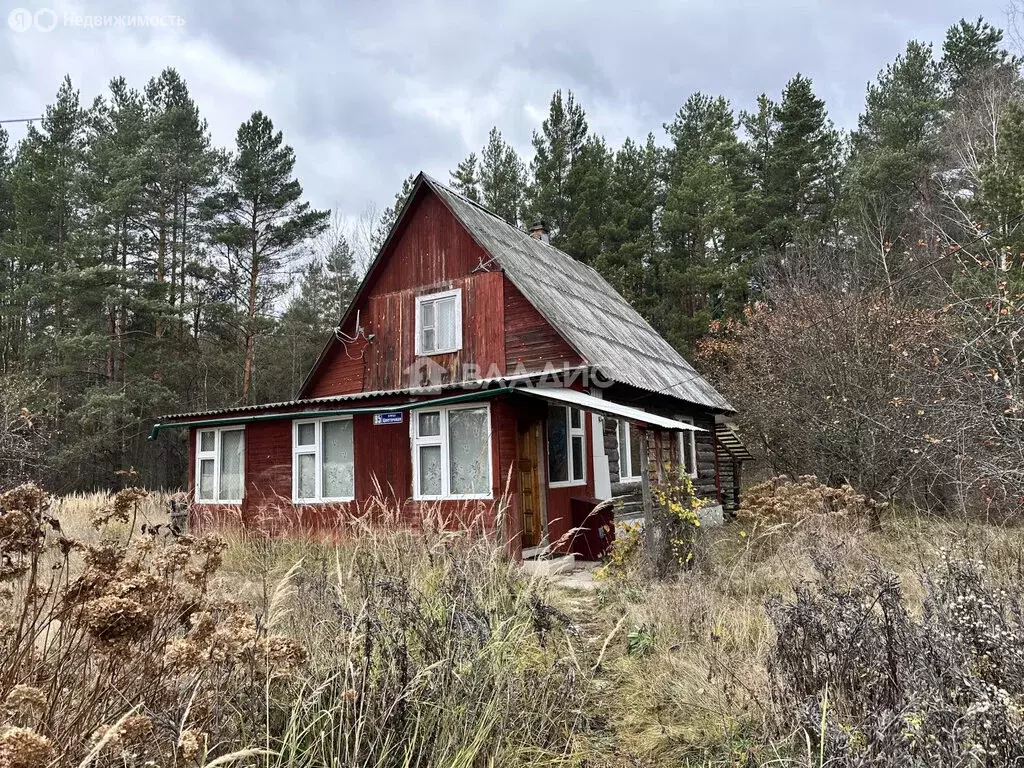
(439, 323)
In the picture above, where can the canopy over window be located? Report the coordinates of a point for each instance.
(606, 407)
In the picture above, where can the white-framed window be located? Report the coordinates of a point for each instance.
(439, 323)
(688, 447)
(451, 452)
(567, 446)
(631, 448)
(323, 460)
(220, 465)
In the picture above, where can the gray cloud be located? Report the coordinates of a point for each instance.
(368, 92)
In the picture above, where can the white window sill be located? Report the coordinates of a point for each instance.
(567, 484)
(433, 352)
(343, 500)
(486, 497)
(215, 503)
(630, 478)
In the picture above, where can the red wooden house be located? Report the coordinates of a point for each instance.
(478, 368)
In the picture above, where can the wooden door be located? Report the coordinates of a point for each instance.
(529, 485)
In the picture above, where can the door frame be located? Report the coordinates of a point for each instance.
(542, 497)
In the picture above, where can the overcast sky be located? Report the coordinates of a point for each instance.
(367, 92)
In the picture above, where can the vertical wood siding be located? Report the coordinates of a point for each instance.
(530, 341)
(431, 252)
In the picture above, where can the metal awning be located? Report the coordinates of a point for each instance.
(606, 407)
(552, 394)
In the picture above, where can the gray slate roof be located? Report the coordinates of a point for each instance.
(584, 308)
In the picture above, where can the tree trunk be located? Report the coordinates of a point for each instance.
(250, 329)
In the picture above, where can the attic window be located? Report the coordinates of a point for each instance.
(439, 323)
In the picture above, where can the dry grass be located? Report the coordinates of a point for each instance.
(124, 648)
(700, 695)
(431, 649)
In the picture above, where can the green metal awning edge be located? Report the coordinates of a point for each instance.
(482, 394)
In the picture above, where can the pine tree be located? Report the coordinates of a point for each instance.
(262, 221)
(583, 234)
(8, 264)
(389, 217)
(502, 178)
(560, 141)
(894, 152)
(701, 221)
(179, 174)
(465, 179)
(47, 192)
(803, 172)
(629, 233)
(971, 48)
(326, 286)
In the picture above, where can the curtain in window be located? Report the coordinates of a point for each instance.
(446, 323)
(430, 470)
(338, 473)
(206, 479)
(306, 480)
(232, 446)
(467, 440)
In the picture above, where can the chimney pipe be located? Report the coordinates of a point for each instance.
(539, 231)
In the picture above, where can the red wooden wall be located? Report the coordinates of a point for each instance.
(430, 252)
(383, 480)
(530, 341)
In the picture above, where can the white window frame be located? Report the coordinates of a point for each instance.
(441, 439)
(202, 456)
(317, 451)
(434, 298)
(626, 449)
(688, 436)
(570, 433)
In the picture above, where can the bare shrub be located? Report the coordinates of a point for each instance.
(784, 500)
(872, 684)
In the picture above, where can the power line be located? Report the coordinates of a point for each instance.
(841, 310)
(20, 120)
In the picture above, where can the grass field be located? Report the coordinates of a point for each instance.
(122, 648)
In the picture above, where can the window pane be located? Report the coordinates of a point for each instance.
(338, 474)
(231, 452)
(622, 433)
(467, 450)
(446, 323)
(429, 424)
(427, 341)
(558, 449)
(636, 449)
(307, 434)
(306, 475)
(430, 470)
(577, 418)
(206, 441)
(578, 456)
(206, 479)
(686, 445)
(428, 336)
(427, 314)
